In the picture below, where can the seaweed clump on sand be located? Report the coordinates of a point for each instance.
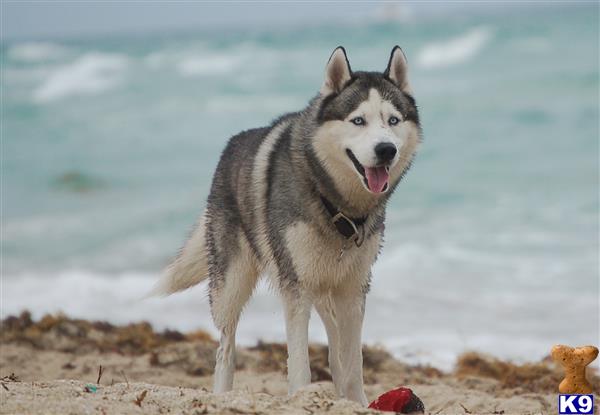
(541, 377)
(58, 332)
(272, 357)
(376, 360)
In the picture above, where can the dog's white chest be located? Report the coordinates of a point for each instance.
(318, 262)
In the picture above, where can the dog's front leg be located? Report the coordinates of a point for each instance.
(350, 310)
(297, 307)
(326, 309)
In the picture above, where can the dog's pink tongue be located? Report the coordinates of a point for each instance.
(377, 177)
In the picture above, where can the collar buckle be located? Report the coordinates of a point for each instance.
(347, 228)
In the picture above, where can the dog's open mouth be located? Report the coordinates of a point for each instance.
(375, 178)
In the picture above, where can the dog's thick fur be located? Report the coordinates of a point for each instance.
(266, 215)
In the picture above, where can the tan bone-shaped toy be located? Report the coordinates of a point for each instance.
(574, 360)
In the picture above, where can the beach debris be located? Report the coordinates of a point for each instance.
(399, 400)
(90, 388)
(58, 332)
(100, 372)
(125, 376)
(465, 409)
(273, 358)
(529, 377)
(154, 360)
(7, 379)
(140, 398)
(574, 361)
(201, 408)
(10, 378)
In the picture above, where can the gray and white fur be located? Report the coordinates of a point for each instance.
(265, 215)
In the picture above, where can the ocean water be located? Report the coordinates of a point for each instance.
(109, 146)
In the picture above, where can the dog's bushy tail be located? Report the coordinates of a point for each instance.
(189, 268)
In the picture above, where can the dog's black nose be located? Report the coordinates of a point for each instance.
(385, 152)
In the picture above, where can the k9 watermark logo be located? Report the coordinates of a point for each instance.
(575, 404)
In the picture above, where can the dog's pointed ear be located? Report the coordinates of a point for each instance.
(397, 70)
(337, 72)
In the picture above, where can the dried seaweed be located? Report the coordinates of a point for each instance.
(542, 376)
(58, 332)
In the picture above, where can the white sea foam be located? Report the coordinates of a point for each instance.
(209, 64)
(156, 60)
(454, 51)
(89, 74)
(263, 103)
(117, 298)
(36, 51)
(394, 12)
(402, 314)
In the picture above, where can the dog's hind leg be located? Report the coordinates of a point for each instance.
(326, 309)
(229, 293)
(297, 307)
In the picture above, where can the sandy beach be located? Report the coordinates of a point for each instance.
(116, 115)
(67, 366)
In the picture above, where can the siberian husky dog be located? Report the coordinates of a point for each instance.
(303, 201)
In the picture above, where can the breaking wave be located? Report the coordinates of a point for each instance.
(36, 51)
(454, 51)
(240, 103)
(207, 65)
(117, 297)
(400, 292)
(89, 74)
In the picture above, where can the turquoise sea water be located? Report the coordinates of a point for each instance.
(492, 241)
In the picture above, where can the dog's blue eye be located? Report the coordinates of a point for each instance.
(394, 120)
(358, 121)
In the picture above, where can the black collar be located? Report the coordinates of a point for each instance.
(345, 225)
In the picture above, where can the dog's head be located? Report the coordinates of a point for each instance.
(368, 126)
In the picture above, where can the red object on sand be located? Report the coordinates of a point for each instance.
(401, 400)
